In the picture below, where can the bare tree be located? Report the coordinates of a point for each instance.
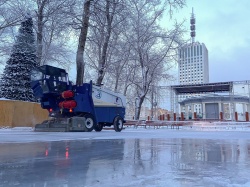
(110, 10)
(40, 25)
(119, 67)
(105, 21)
(53, 18)
(138, 51)
(152, 46)
(8, 17)
(51, 23)
(82, 41)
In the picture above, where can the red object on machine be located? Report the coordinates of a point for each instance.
(68, 104)
(68, 94)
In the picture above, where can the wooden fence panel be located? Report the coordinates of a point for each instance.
(21, 113)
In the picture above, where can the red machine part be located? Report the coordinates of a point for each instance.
(68, 104)
(68, 94)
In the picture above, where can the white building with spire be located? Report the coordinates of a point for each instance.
(193, 67)
(193, 60)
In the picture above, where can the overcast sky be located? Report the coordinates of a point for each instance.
(224, 27)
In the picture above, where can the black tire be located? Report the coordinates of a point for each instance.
(90, 122)
(98, 127)
(118, 124)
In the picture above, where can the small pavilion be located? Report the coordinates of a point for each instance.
(215, 104)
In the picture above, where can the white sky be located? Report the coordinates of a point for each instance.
(224, 27)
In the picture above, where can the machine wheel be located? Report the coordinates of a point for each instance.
(90, 122)
(118, 124)
(98, 127)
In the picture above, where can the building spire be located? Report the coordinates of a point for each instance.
(192, 26)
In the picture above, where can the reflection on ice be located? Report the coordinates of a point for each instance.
(212, 162)
(126, 162)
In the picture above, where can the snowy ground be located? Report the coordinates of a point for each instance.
(134, 157)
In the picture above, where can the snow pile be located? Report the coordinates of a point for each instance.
(2, 98)
(219, 126)
(8, 128)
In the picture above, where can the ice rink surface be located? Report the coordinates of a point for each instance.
(134, 157)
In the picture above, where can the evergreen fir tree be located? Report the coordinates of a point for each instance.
(15, 80)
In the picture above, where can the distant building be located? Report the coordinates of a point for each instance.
(193, 60)
(231, 107)
(193, 63)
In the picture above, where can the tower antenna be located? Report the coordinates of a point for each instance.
(192, 26)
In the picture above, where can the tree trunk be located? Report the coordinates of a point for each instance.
(40, 32)
(152, 104)
(116, 83)
(138, 109)
(102, 63)
(81, 43)
(39, 40)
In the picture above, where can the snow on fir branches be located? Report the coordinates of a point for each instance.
(15, 80)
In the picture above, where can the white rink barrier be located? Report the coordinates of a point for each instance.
(189, 125)
(218, 125)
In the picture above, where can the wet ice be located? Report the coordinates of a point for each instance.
(175, 158)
